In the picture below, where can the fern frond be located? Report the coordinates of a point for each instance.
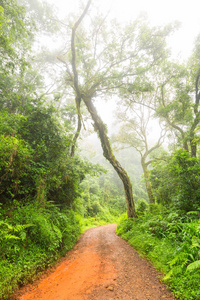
(19, 227)
(193, 266)
(168, 275)
(11, 237)
(174, 271)
(178, 258)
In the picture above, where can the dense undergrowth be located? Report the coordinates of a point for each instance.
(171, 241)
(31, 241)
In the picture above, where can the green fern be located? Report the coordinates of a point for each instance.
(174, 271)
(193, 266)
(8, 231)
(11, 237)
(168, 275)
(180, 257)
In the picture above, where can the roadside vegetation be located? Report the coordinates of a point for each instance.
(170, 241)
(168, 233)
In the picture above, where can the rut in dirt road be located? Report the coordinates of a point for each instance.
(102, 266)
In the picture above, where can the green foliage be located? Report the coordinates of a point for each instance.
(176, 180)
(15, 27)
(11, 239)
(172, 243)
(15, 160)
(45, 134)
(194, 266)
(17, 78)
(35, 161)
(101, 198)
(31, 240)
(186, 177)
(141, 207)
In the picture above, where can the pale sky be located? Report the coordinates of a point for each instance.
(159, 12)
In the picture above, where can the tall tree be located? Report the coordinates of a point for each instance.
(20, 84)
(107, 57)
(178, 100)
(136, 131)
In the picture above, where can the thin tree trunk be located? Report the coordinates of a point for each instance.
(185, 145)
(193, 145)
(147, 182)
(108, 154)
(78, 130)
(193, 141)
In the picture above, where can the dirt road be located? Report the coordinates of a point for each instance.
(102, 266)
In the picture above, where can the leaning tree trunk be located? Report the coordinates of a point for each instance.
(147, 182)
(108, 154)
(98, 124)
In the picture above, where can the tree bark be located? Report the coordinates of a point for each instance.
(108, 154)
(147, 182)
(76, 136)
(193, 142)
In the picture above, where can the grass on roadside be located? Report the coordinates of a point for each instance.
(172, 244)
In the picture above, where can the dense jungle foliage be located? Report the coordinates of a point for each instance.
(53, 185)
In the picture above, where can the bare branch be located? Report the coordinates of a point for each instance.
(66, 64)
(73, 49)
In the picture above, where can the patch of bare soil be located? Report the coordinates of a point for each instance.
(101, 266)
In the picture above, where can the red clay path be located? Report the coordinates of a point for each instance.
(101, 266)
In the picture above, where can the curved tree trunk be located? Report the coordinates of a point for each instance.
(108, 154)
